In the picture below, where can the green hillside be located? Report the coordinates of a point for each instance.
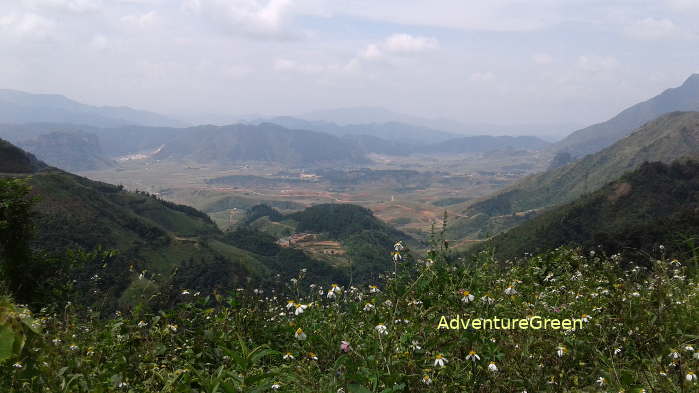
(366, 239)
(162, 247)
(654, 205)
(665, 139)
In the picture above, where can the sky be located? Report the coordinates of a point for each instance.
(495, 61)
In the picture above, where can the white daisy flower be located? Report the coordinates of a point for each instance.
(368, 307)
(426, 379)
(381, 329)
(276, 386)
(299, 308)
(492, 367)
(510, 291)
(691, 376)
(374, 289)
(300, 335)
(288, 356)
(473, 356)
(467, 296)
(561, 350)
(440, 361)
(601, 381)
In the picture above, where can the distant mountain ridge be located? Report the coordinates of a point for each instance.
(597, 137)
(21, 107)
(264, 142)
(72, 151)
(666, 139)
(669, 137)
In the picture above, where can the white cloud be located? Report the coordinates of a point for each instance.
(99, 42)
(597, 64)
(482, 76)
(78, 6)
(405, 43)
(542, 58)
(399, 44)
(653, 29)
(26, 25)
(255, 18)
(142, 21)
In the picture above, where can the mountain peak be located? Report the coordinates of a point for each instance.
(692, 81)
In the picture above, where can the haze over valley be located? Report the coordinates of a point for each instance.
(306, 196)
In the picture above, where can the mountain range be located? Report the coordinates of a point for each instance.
(665, 139)
(21, 107)
(596, 137)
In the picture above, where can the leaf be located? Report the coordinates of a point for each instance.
(7, 339)
(353, 388)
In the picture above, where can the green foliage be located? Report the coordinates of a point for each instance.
(640, 333)
(16, 231)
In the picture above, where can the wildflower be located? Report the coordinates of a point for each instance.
(17, 365)
(691, 376)
(585, 318)
(467, 297)
(288, 356)
(492, 367)
(617, 351)
(426, 379)
(368, 307)
(415, 345)
(601, 381)
(381, 329)
(510, 291)
(635, 294)
(173, 328)
(276, 386)
(689, 348)
(73, 347)
(345, 346)
(374, 289)
(300, 335)
(312, 356)
(561, 350)
(299, 308)
(487, 299)
(290, 304)
(388, 303)
(473, 356)
(334, 290)
(185, 292)
(440, 361)
(396, 256)
(399, 246)
(696, 355)
(142, 324)
(674, 354)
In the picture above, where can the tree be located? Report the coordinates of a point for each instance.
(16, 231)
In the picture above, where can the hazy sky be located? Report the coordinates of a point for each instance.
(497, 61)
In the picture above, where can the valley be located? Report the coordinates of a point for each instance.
(410, 192)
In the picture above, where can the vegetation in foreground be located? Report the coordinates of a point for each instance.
(639, 333)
